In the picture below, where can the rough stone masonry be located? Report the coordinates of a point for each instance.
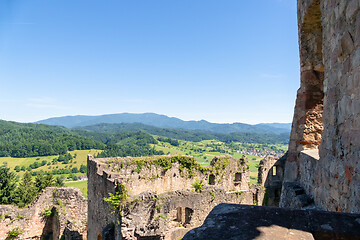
(324, 149)
(167, 195)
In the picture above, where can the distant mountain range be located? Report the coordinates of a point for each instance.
(163, 121)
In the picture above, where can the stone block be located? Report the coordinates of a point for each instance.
(352, 8)
(355, 59)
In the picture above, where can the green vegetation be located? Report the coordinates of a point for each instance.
(29, 140)
(55, 167)
(118, 200)
(134, 144)
(198, 185)
(186, 162)
(15, 232)
(7, 185)
(180, 134)
(51, 154)
(26, 190)
(82, 185)
(212, 194)
(161, 216)
(47, 212)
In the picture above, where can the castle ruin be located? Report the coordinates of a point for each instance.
(166, 195)
(56, 213)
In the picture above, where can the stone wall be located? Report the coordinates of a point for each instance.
(162, 200)
(170, 215)
(67, 216)
(100, 184)
(270, 176)
(329, 39)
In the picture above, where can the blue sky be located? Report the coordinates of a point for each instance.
(222, 61)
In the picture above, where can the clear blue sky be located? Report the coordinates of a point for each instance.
(218, 60)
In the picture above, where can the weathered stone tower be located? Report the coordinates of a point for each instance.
(324, 150)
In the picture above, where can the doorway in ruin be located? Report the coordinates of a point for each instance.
(237, 177)
(211, 179)
(188, 215)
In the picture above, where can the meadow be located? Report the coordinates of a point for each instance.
(79, 158)
(82, 185)
(203, 151)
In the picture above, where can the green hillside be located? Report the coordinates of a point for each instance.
(39, 148)
(32, 140)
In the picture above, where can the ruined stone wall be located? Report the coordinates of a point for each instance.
(68, 217)
(162, 200)
(140, 175)
(170, 215)
(100, 184)
(329, 39)
(270, 176)
(338, 172)
(269, 171)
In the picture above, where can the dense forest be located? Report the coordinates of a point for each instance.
(29, 140)
(180, 134)
(124, 139)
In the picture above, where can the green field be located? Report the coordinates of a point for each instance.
(81, 158)
(203, 151)
(82, 185)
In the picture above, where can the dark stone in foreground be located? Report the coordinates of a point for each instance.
(232, 221)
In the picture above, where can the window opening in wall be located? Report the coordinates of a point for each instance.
(211, 179)
(237, 177)
(274, 170)
(188, 214)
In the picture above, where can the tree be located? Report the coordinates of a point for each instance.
(7, 185)
(49, 180)
(39, 182)
(83, 168)
(73, 177)
(26, 192)
(59, 182)
(43, 181)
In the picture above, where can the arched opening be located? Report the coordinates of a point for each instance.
(211, 179)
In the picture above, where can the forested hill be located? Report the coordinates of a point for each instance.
(163, 121)
(30, 140)
(100, 132)
(125, 139)
(27, 140)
